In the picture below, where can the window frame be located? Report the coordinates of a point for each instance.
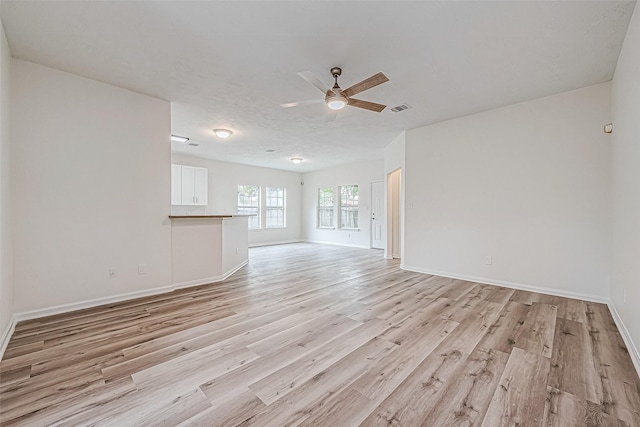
(268, 208)
(351, 208)
(240, 208)
(321, 207)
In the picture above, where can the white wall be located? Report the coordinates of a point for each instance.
(394, 154)
(625, 272)
(361, 174)
(224, 179)
(91, 188)
(6, 247)
(235, 244)
(528, 184)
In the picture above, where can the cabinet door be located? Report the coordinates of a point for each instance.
(200, 188)
(188, 185)
(176, 185)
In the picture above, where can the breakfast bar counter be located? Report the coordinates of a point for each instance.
(207, 248)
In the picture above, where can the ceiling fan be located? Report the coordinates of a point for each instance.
(336, 98)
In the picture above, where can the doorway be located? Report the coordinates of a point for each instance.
(377, 215)
(394, 214)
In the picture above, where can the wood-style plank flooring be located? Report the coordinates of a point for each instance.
(326, 336)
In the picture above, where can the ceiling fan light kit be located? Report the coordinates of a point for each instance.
(336, 98)
(335, 101)
(223, 133)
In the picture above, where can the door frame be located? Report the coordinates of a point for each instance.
(388, 253)
(384, 222)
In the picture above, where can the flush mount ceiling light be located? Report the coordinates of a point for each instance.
(180, 139)
(223, 133)
(296, 160)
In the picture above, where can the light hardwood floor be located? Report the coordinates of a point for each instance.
(328, 336)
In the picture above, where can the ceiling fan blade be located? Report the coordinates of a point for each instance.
(299, 103)
(314, 80)
(366, 105)
(372, 81)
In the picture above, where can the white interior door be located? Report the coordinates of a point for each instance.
(377, 215)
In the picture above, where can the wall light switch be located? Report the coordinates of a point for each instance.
(142, 269)
(488, 260)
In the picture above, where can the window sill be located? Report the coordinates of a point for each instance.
(268, 229)
(349, 229)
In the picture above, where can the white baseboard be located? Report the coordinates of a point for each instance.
(65, 308)
(631, 346)
(6, 335)
(512, 285)
(74, 306)
(280, 242)
(208, 280)
(198, 282)
(337, 244)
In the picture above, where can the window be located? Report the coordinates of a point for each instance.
(249, 204)
(275, 208)
(349, 206)
(325, 208)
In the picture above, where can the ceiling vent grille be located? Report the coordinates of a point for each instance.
(401, 107)
(193, 144)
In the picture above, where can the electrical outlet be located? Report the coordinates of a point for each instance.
(237, 252)
(488, 260)
(142, 269)
(113, 273)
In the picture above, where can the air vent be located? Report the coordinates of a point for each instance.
(193, 144)
(401, 107)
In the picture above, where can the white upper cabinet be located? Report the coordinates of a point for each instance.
(189, 185)
(200, 186)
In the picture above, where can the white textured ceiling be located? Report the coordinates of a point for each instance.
(230, 64)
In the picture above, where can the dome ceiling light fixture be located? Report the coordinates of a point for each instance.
(296, 160)
(223, 133)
